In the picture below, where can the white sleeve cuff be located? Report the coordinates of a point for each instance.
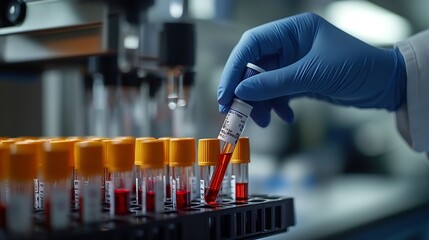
(415, 113)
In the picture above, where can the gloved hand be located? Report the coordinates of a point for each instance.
(305, 55)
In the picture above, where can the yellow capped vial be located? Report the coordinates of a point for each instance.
(182, 152)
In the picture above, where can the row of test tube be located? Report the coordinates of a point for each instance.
(93, 175)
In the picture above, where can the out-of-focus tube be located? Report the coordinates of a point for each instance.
(208, 158)
(22, 168)
(151, 191)
(166, 175)
(120, 154)
(89, 158)
(56, 175)
(136, 168)
(182, 158)
(240, 169)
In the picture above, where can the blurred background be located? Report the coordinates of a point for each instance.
(350, 173)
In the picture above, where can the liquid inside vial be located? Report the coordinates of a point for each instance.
(241, 191)
(217, 178)
(122, 197)
(183, 199)
(2, 216)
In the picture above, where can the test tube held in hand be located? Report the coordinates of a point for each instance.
(230, 132)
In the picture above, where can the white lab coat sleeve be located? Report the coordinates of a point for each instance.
(413, 116)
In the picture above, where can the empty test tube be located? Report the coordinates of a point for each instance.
(182, 158)
(120, 154)
(56, 174)
(90, 170)
(151, 158)
(240, 169)
(22, 167)
(208, 157)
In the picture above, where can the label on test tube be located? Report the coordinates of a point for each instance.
(137, 190)
(110, 194)
(194, 187)
(233, 190)
(36, 193)
(41, 193)
(143, 196)
(235, 121)
(202, 191)
(164, 190)
(173, 193)
(159, 198)
(76, 193)
(91, 196)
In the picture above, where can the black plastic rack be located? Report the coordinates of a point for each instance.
(257, 217)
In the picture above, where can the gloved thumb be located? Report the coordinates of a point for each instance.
(272, 84)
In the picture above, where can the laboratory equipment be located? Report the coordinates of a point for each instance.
(208, 157)
(151, 188)
(90, 162)
(56, 175)
(240, 169)
(182, 158)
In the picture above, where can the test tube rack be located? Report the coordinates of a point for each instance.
(259, 216)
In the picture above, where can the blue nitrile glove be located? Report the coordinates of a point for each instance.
(305, 55)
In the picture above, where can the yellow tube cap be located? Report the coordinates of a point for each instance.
(137, 158)
(242, 151)
(208, 151)
(55, 164)
(68, 144)
(151, 154)
(4, 158)
(166, 141)
(120, 155)
(89, 158)
(22, 162)
(182, 152)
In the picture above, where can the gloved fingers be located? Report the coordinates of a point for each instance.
(282, 108)
(255, 43)
(223, 108)
(261, 113)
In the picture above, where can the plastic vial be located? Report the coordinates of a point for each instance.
(38, 181)
(229, 134)
(22, 168)
(151, 192)
(4, 157)
(208, 157)
(56, 175)
(231, 129)
(120, 154)
(136, 168)
(240, 169)
(166, 174)
(182, 158)
(90, 162)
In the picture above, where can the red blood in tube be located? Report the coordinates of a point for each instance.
(241, 191)
(48, 214)
(167, 190)
(183, 199)
(2, 216)
(150, 201)
(122, 198)
(80, 209)
(216, 181)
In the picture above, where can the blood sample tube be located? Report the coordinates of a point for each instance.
(4, 157)
(56, 174)
(90, 162)
(208, 157)
(22, 168)
(106, 174)
(229, 134)
(240, 169)
(120, 154)
(136, 168)
(38, 181)
(151, 158)
(182, 157)
(166, 175)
